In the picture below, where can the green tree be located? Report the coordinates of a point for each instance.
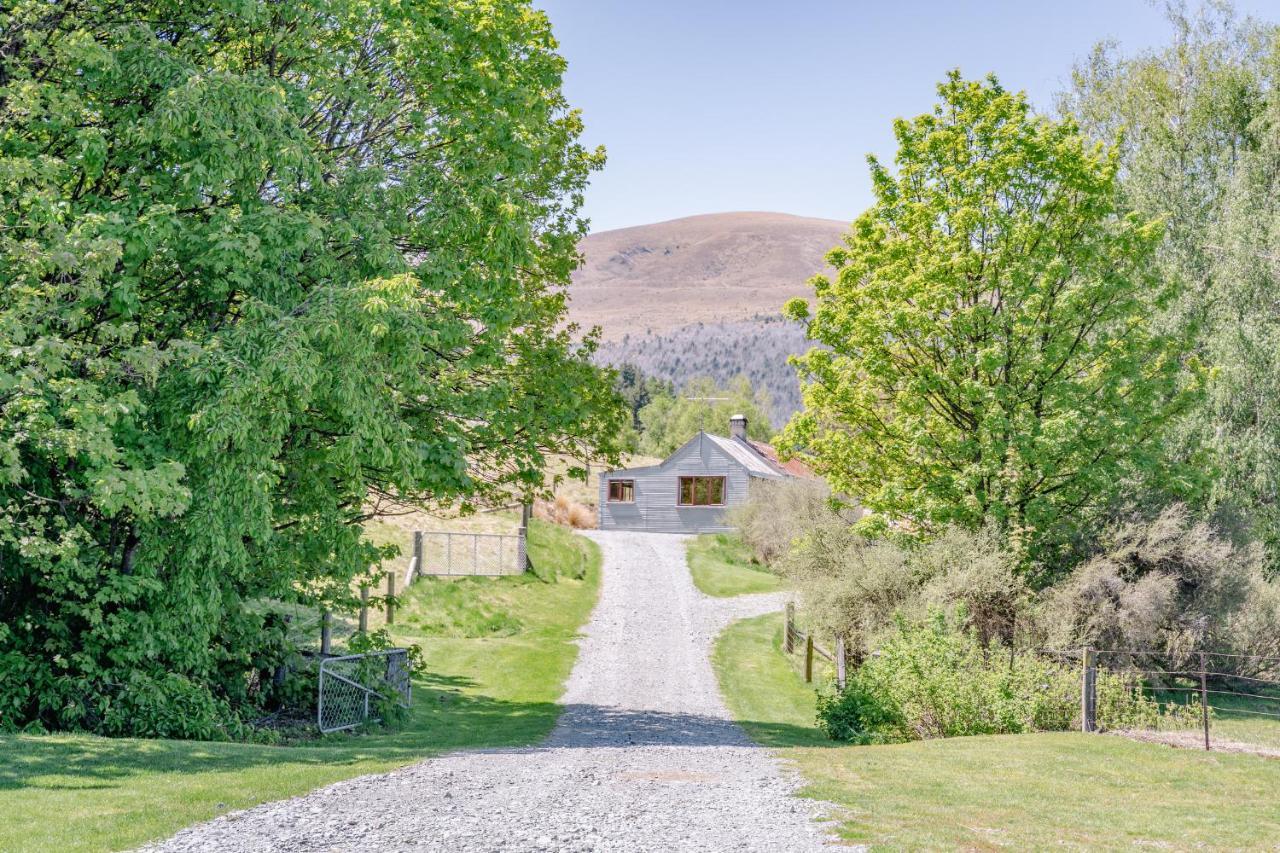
(1201, 151)
(987, 351)
(264, 268)
(702, 405)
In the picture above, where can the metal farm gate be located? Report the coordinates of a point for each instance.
(446, 554)
(351, 687)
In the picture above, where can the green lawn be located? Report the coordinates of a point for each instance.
(1011, 791)
(499, 650)
(722, 566)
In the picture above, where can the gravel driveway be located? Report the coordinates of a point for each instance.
(644, 757)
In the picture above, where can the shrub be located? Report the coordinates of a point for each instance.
(778, 512)
(932, 680)
(1163, 588)
(855, 587)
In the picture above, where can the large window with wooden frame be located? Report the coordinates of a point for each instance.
(701, 491)
(622, 491)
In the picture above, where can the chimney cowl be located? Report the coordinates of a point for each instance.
(738, 427)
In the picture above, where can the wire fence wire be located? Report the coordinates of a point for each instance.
(352, 688)
(1235, 699)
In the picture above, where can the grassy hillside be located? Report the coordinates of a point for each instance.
(712, 268)
(498, 651)
(1066, 790)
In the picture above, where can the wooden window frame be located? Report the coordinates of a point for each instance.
(724, 488)
(631, 488)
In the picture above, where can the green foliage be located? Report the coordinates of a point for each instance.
(929, 680)
(1160, 589)
(859, 588)
(262, 267)
(1201, 151)
(986, 350)
(778, 513)
(671, 421)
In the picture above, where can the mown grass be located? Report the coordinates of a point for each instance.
(722, 566)
(494, 681)
(1009, 791)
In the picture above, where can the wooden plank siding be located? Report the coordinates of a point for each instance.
(655, 508)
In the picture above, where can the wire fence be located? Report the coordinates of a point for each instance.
(445, 553)
(1207, 699)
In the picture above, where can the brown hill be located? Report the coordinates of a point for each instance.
(717, 267)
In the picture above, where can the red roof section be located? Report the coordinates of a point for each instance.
(794, 467)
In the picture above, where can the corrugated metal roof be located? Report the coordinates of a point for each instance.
(744, 454)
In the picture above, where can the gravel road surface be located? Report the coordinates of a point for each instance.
(644, 757)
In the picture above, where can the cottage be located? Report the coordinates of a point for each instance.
(690, 491)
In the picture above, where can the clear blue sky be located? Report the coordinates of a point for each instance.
(715, 105)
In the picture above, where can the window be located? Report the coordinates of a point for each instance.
(622, 491)
(701, 491)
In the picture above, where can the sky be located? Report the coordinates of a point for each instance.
(715, 105)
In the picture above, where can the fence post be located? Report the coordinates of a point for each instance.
(364, 608)
(1204, 700)
(417, 552)
(788, 644)
(840, 662)
(391, 593)
(522, 548)
(1089, 693)
(475, 555)
(808, 658)
(326, 632)
(448, 553)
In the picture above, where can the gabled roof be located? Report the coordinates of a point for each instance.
(758, 458)
(744, 454)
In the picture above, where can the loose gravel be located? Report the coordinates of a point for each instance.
(644, 757)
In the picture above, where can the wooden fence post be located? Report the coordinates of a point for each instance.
(391, 594)
(808, 658)
(840, 662)
(1204, 700)
(788, 644)
(326, 632)
(417, 552)
(364, 608)
(1089, 693)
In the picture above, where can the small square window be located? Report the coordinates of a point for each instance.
(622, 491)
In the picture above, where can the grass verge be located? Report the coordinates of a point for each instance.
(499, 651)
(722, 566)
(1015, 791)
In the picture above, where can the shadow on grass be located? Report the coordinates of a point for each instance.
(442, 720)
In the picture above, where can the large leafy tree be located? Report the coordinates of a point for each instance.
(669, 421)
(1201, 151)
(987, 353)
(264, 268)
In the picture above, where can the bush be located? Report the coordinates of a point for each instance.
(779, 512)
(1163, 588)
(855, 587)
(932, 680)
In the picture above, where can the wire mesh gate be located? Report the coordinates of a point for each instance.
(445, 553)
(353, 686)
